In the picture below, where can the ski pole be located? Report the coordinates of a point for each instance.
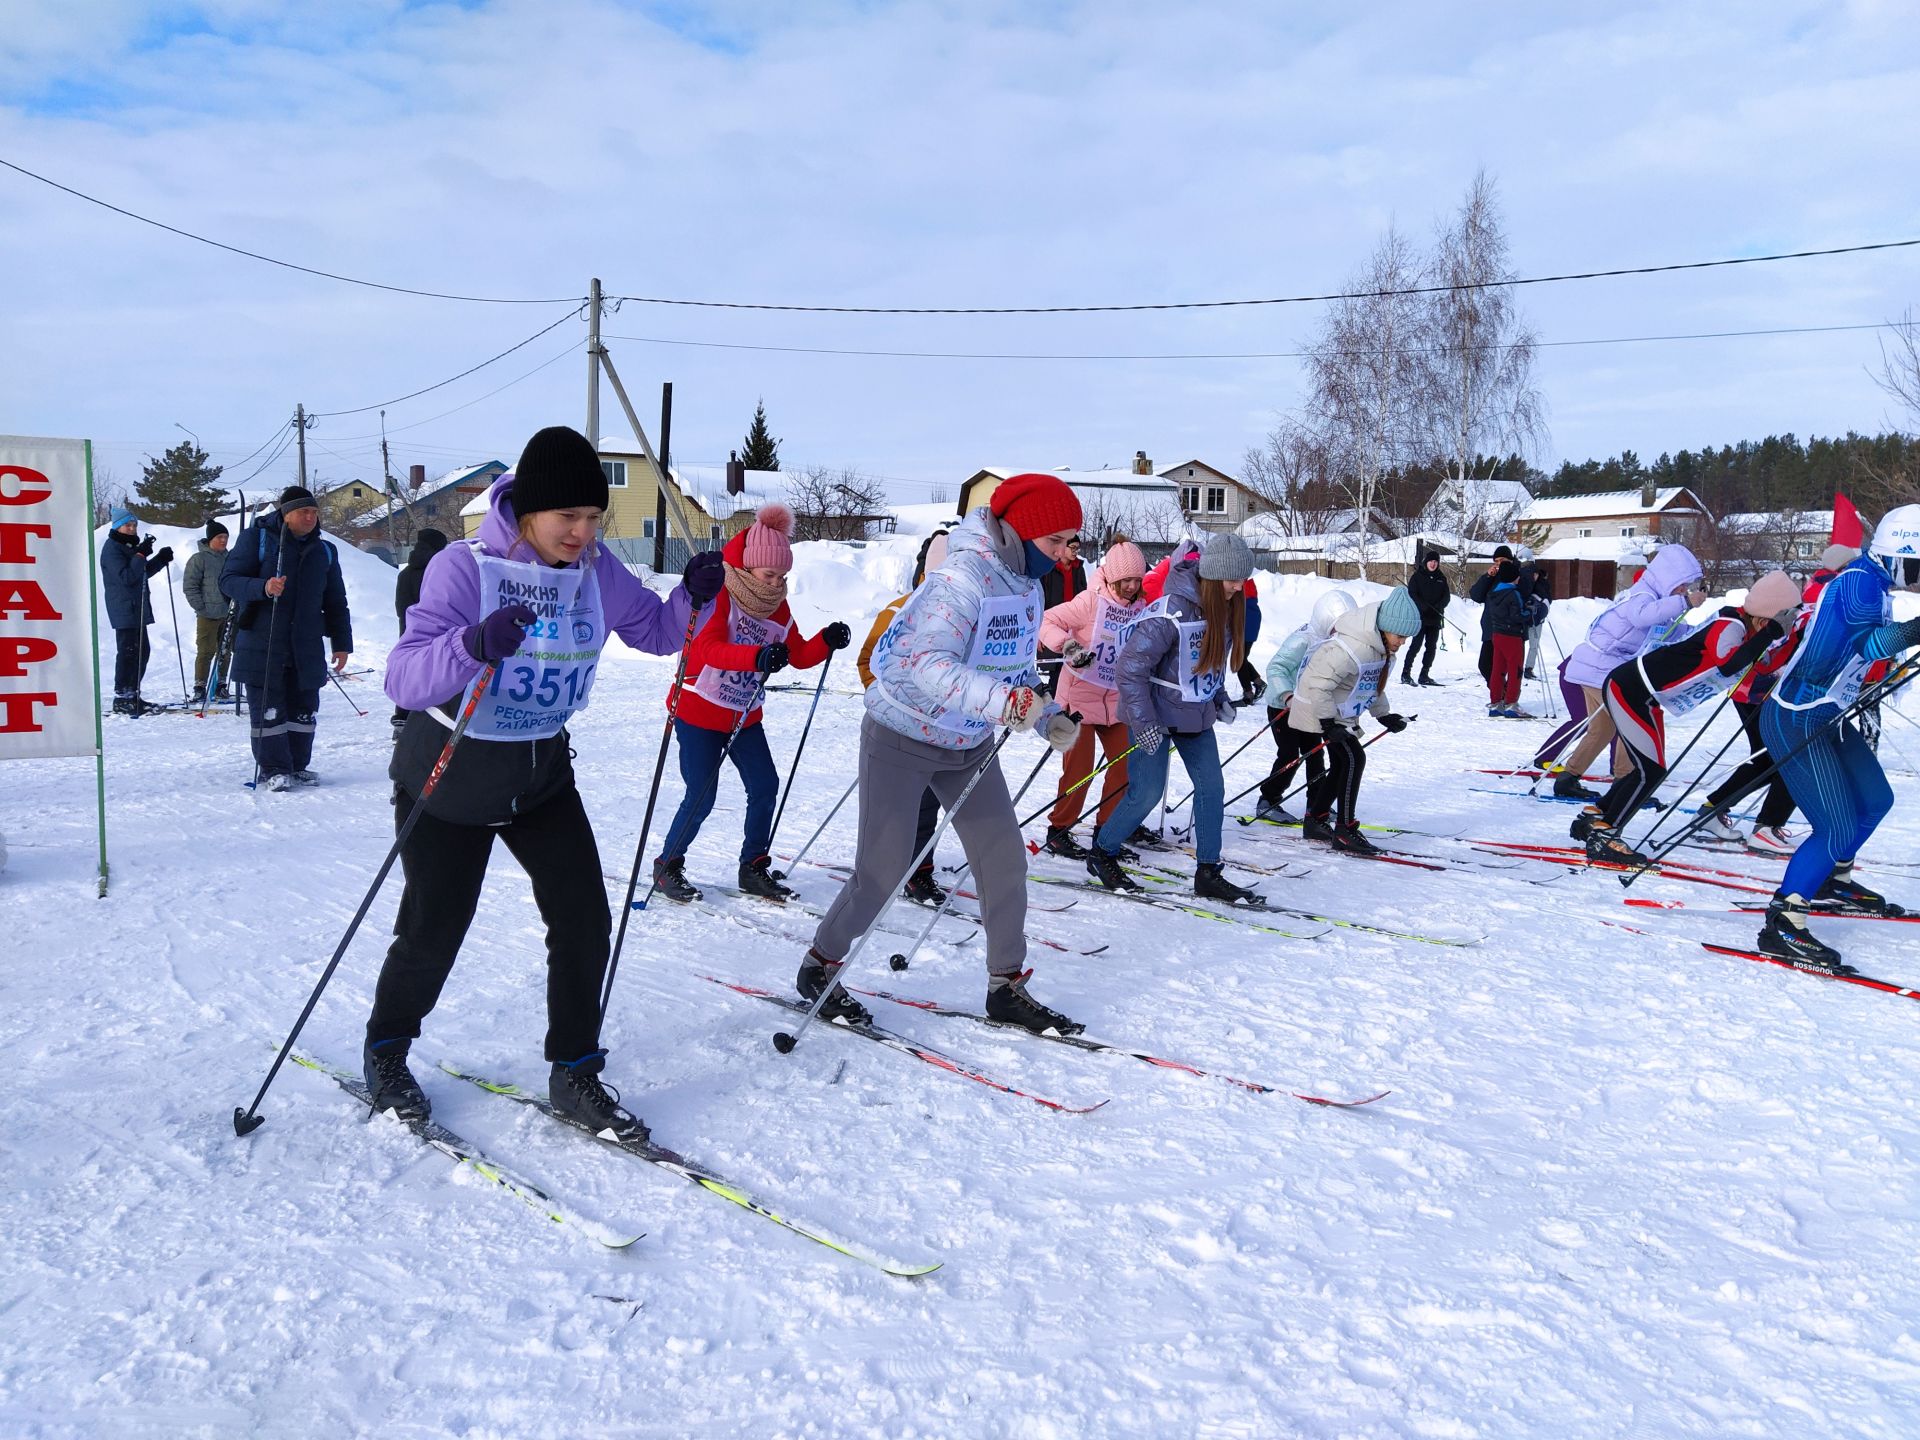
(1572, 737)
(245, 1122)
(218, 668)
(852, 785)
(646, 820)
(343, 692)
(266, 673)
(794, 768)
(1091, 776)
(1673, 809)
(904, 961)
(1295, 788)
(1895, 680)
(186, 695)
(784, 1041)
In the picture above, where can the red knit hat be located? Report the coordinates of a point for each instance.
(765, 544)
(1036, 505)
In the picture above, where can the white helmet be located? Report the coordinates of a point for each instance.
(1523, 555)
(1327, 609)
(1896, 545)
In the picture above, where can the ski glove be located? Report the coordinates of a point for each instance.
(1078, 656)
(1223, 711)
(1393, 722)
(499, 635)
(1025, 708)
(1061, 731)
(837, 635)
(1149, 738)
(145, 547)
(770, 659)
(704, 576)
(164, 557)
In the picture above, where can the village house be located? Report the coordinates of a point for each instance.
(423, 504)
(1211, 498)
(1594, 545)
(1134, 502)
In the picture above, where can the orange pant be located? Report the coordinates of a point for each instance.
(1078, 764)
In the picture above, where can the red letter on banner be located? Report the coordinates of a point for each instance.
(14, 483)
(28, 598)
(18, 653)
(16, 712)
(13, 542)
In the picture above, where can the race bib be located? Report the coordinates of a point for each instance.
(739, 689)
(1109, 622)
(1366, 686)
(548, 678)
(1194, 684)
(1695, 692)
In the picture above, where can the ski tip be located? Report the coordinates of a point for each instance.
(245, 1124)
(911, 1272)
(783, 1042)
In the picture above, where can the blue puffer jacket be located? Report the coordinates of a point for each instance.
(123, 581)
(1152, 652)
(312, 611)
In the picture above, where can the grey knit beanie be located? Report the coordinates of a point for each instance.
(1226, 557)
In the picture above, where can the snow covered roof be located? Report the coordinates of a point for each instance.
(1604, 503)
(1778, 522)
(1620, 549)
(1118, 478)
(378, 514)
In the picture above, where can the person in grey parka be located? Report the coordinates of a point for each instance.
(209, 604)
(126, 561)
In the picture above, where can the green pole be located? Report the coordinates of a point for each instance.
(99, 739)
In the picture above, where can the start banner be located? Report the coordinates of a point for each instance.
(49, 697)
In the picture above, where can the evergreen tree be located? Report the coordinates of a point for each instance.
(180, 487)
(760, 450)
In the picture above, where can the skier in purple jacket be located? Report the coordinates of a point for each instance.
(535, 597)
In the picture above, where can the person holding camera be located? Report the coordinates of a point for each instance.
(126, 563)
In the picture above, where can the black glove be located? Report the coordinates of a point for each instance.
(703, 577)
(165, 556)
(837, 635)
(145, 547)
(770, 658)
(1393, 722)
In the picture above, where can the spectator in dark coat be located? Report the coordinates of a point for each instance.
(1430, 591)
(287, 580)
(209, 604)
(1478, 593)
(1536, 586)
(406, 592)
(125, 563)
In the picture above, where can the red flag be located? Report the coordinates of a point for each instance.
(1847, 529)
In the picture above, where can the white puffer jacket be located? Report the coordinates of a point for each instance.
(1327, 681)
(920, 669)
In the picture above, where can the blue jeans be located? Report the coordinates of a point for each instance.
(1838, 784)
(1147, 782)
(700, 751)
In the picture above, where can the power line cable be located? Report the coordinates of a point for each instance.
(1238, 354)
(261, 446)
(286, 439)
(572, 346)
(427, 389)
(284, 264)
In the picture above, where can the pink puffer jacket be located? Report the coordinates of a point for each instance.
(1074, 620)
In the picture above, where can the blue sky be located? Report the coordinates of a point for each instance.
(922, 153)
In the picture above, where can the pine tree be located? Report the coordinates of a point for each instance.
(760, 450)
(180, 487)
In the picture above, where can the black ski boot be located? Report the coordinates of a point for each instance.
(1105, 870)
(1318, 827)
(1147, 839)
(1843, 892)
(1273, 813)
(1060, 842)
(923, 889)
(816, 973)
(1349, 839)
(390, 1083)
(1210, 884)
(1429, 681)
(576, 1090)
(1605, 847)
(756, 878)
(1568, 787)
(1009, 1003)
(670, 880)
(1785, 937)
(1583, 823)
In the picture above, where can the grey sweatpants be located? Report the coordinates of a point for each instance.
(894, 773)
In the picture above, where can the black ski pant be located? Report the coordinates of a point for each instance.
(130, 655)
(1429, 636)
(1339, 789)
(1641, 724)
(283, 718)
(445, 865)
(928, 822)
(1290, 747)
(1777, 808)
(1486, 656)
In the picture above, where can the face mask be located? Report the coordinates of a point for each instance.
(1039, 566)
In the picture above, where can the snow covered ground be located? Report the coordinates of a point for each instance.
(1622, 1186)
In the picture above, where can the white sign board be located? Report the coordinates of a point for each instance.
(49, 703)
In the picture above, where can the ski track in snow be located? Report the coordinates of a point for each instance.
(1622, 1187)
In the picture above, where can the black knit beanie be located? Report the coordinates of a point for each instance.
(295, 497)
(559, 470)
(215, 529)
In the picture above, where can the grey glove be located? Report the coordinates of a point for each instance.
(1224, 711)
(1060, 730)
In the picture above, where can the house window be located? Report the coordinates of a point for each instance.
(1585, 534)
(1626, 532)
(1803, 549)
(616, 473)
(646, 528)
(1216, 500)
(714, 532)
(1189, 497)
(358, 492)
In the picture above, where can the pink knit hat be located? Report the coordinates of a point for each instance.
(765, 544)
(1771, 594)
(1123, 561)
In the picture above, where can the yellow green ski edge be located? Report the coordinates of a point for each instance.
(714, 1184)
(464, 1152)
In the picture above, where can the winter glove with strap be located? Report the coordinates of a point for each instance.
(499, 635)
(1077, 656)
(771, 659)
(1061, 731)
(703, 576)
(1025, 708)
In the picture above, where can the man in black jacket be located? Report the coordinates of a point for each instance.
(126, 563)
(1431, 592)
(406, 592)
(1534, 585)
(293, 600)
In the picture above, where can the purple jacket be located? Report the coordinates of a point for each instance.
(489, 782)
(1620, 633)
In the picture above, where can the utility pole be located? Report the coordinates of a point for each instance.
(300, 423)
(593, 367)
(386, 483)
(660, 492)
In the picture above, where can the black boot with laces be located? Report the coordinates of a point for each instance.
(390, 1084)
(670, 880)
(1785, 937)
(756, 878)
(1843, 892)
(1009, 1003)
(581, 1097)
(923, 889)
(1060, 842)
(816, 974)
(1105, 869)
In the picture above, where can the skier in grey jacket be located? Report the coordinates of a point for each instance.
(209, 604)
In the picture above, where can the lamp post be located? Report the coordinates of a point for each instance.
(183, 429)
